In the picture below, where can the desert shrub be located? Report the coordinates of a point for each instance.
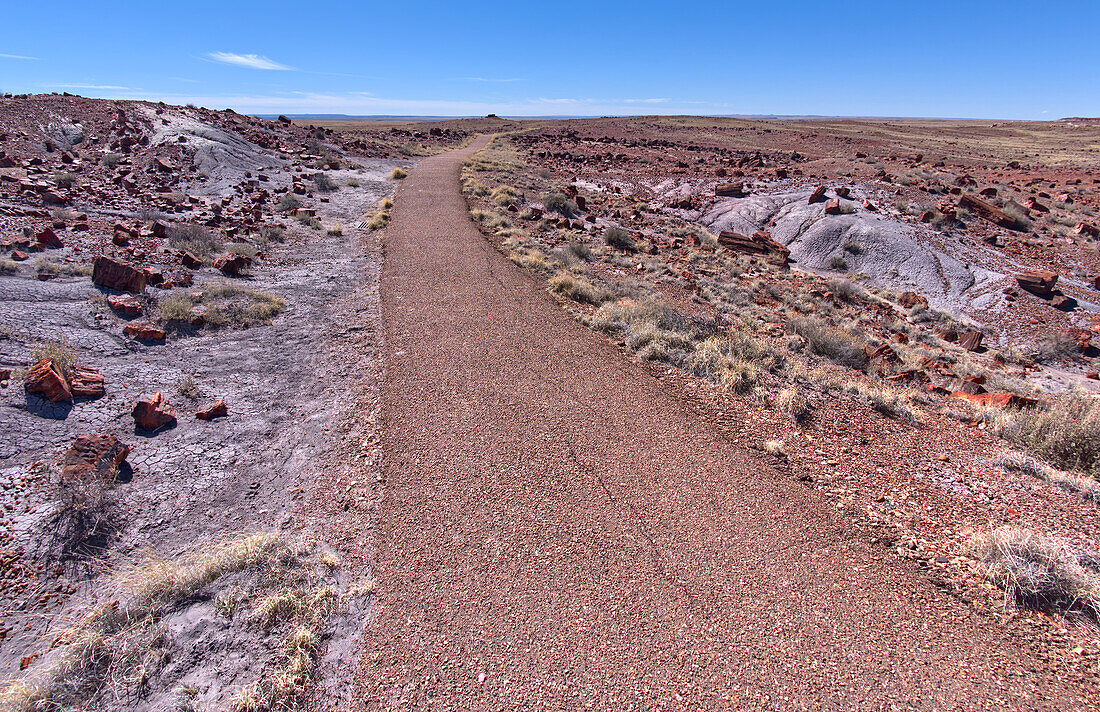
(792, 402)
(309, 221)
(335, 230)
(325, 183)
(578, 289)
(398, 173)
(580, 250)
(288, 203)
(60, 352)
(844, 290)
(175, 307)
(619, 239)
(378, 220)
(8, 266)
(195, 239)
(853, 247)
(386, 204)
(110, 160)
(834, 344)
(885, 400)
(45, 265)
(352, 182)
(775, 447)
(65, 180)
(1067, 433)
(242, 248)
(837, 262)
(271, 233)
(1086, 487)
(558, 203)
(505, 195)
(1041, 571)
(187, 387)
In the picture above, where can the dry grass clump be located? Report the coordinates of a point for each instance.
(288, 203)
(8, 266)
(1040, 571)
(226, 305)
(885, 400)
(619, 239)
(1067, 433)
(578, 289)
(378, 220)
(195, 239)
(792, 402)
(559, 203)
(242, 248)
(832, 343)
(506, 195)
(335, 230)
(60, 352)
(275, 593)
(1086, 487)
(399, 173)
(325, 183)
(775, 447)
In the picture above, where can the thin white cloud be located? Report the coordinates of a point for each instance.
(252, 61)
(17, 56)
(645, 101)
(489, 79)
(111, 87)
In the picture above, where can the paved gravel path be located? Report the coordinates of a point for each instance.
(559, 532)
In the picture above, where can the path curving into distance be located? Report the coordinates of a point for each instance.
(557, 531)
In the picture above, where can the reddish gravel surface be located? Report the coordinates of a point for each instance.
(558, 530)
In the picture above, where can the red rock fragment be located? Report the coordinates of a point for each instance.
(153, 412)
(190, 261)
(118, 276)
(48, 238)
(126, 304)
(996, 400)
(817, 195)
(760, 243)
(217, 410)
(1037, 282)
(912, 299)
(144, 332)
(94, 456)
(832, 207)
(729, 190)
(971, 340)
(85, 382)
(45, 379)
(985, 210)
(232, 264)
(1084, 228)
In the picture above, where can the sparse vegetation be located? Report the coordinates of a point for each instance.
(558, 203)
(619, 239)
(195, 239)
(289, 202)
(399, 173)
(60, 352)
(834, 344)
(8, 266)
(325, 183)
(792, 402)
(1067, 433)
(282, 598)
(578, 289)
(222, 305)
(1086, 487)
(1040, 571)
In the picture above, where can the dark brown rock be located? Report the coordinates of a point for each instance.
(48, 238)
(118, 276)
(233, 264)
(971, 340)
(832, 207)
(912, 299)
(817, 195)
(760, 243)
(1037, 282)
(94, 457)
(729, 190)
(984, 210)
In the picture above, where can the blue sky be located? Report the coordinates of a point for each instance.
(967, 58)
